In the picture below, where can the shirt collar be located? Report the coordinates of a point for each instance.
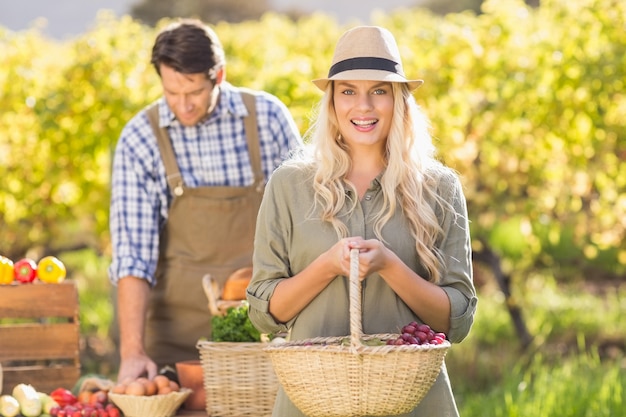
(374, 185)
(377, 180)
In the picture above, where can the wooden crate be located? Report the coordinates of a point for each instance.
(39, 335)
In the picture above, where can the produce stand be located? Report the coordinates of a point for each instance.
(39, 338)
(39, 335)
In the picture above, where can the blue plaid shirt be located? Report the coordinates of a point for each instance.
(211, 153)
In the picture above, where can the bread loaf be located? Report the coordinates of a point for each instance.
(236, 284)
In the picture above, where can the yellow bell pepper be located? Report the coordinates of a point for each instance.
(6, 271)
(51, 270)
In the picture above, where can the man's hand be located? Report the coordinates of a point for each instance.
(135, 366)
(132, 302)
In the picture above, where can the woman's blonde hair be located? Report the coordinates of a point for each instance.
(409, 182)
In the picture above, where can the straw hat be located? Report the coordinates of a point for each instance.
(367, 53)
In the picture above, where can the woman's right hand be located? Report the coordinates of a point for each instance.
(338, 255)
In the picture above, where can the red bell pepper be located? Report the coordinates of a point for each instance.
(25, 270)
(63, 397)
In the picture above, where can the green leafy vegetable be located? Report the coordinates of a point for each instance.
(234, 326)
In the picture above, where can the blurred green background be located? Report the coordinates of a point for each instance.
(527, 103)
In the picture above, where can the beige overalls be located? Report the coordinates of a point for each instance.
(208, 230)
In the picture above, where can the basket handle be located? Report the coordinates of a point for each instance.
(356, 329)
(210, 289)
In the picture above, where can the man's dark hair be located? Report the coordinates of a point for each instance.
(189, 47)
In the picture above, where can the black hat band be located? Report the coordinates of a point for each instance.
(365, 63)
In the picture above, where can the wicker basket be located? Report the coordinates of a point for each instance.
(154, 405)
(238, 377)
(324, 377)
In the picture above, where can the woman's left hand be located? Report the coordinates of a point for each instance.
(373, 256)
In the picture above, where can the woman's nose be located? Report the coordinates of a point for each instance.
(364, 102)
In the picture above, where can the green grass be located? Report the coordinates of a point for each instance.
(575, 367)
(577, 386)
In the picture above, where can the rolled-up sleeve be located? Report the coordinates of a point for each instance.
(457, 280)
(137, 203)
(462, 314)
(270, 260)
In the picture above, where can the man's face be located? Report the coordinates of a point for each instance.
(190, 96)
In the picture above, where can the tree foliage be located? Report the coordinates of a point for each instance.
(443, 7)
(211, 11)
(527, 104)
(65, 107)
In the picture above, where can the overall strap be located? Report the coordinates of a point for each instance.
(252, 135)
(172, 172)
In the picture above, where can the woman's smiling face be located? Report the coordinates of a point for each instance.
(364, 111)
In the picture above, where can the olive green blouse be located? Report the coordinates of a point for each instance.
(289, 236)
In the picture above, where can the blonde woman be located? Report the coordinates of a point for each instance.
(369, 180)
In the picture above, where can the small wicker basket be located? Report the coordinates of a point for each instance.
(164, 405)
(238, 377)
(325, 378)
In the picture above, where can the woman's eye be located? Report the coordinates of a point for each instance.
(379, 91)
(348, 92)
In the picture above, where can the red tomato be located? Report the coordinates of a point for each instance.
(25, 270)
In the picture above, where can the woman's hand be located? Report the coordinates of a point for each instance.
(338, 256)
(373, 255)
(427, 300)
